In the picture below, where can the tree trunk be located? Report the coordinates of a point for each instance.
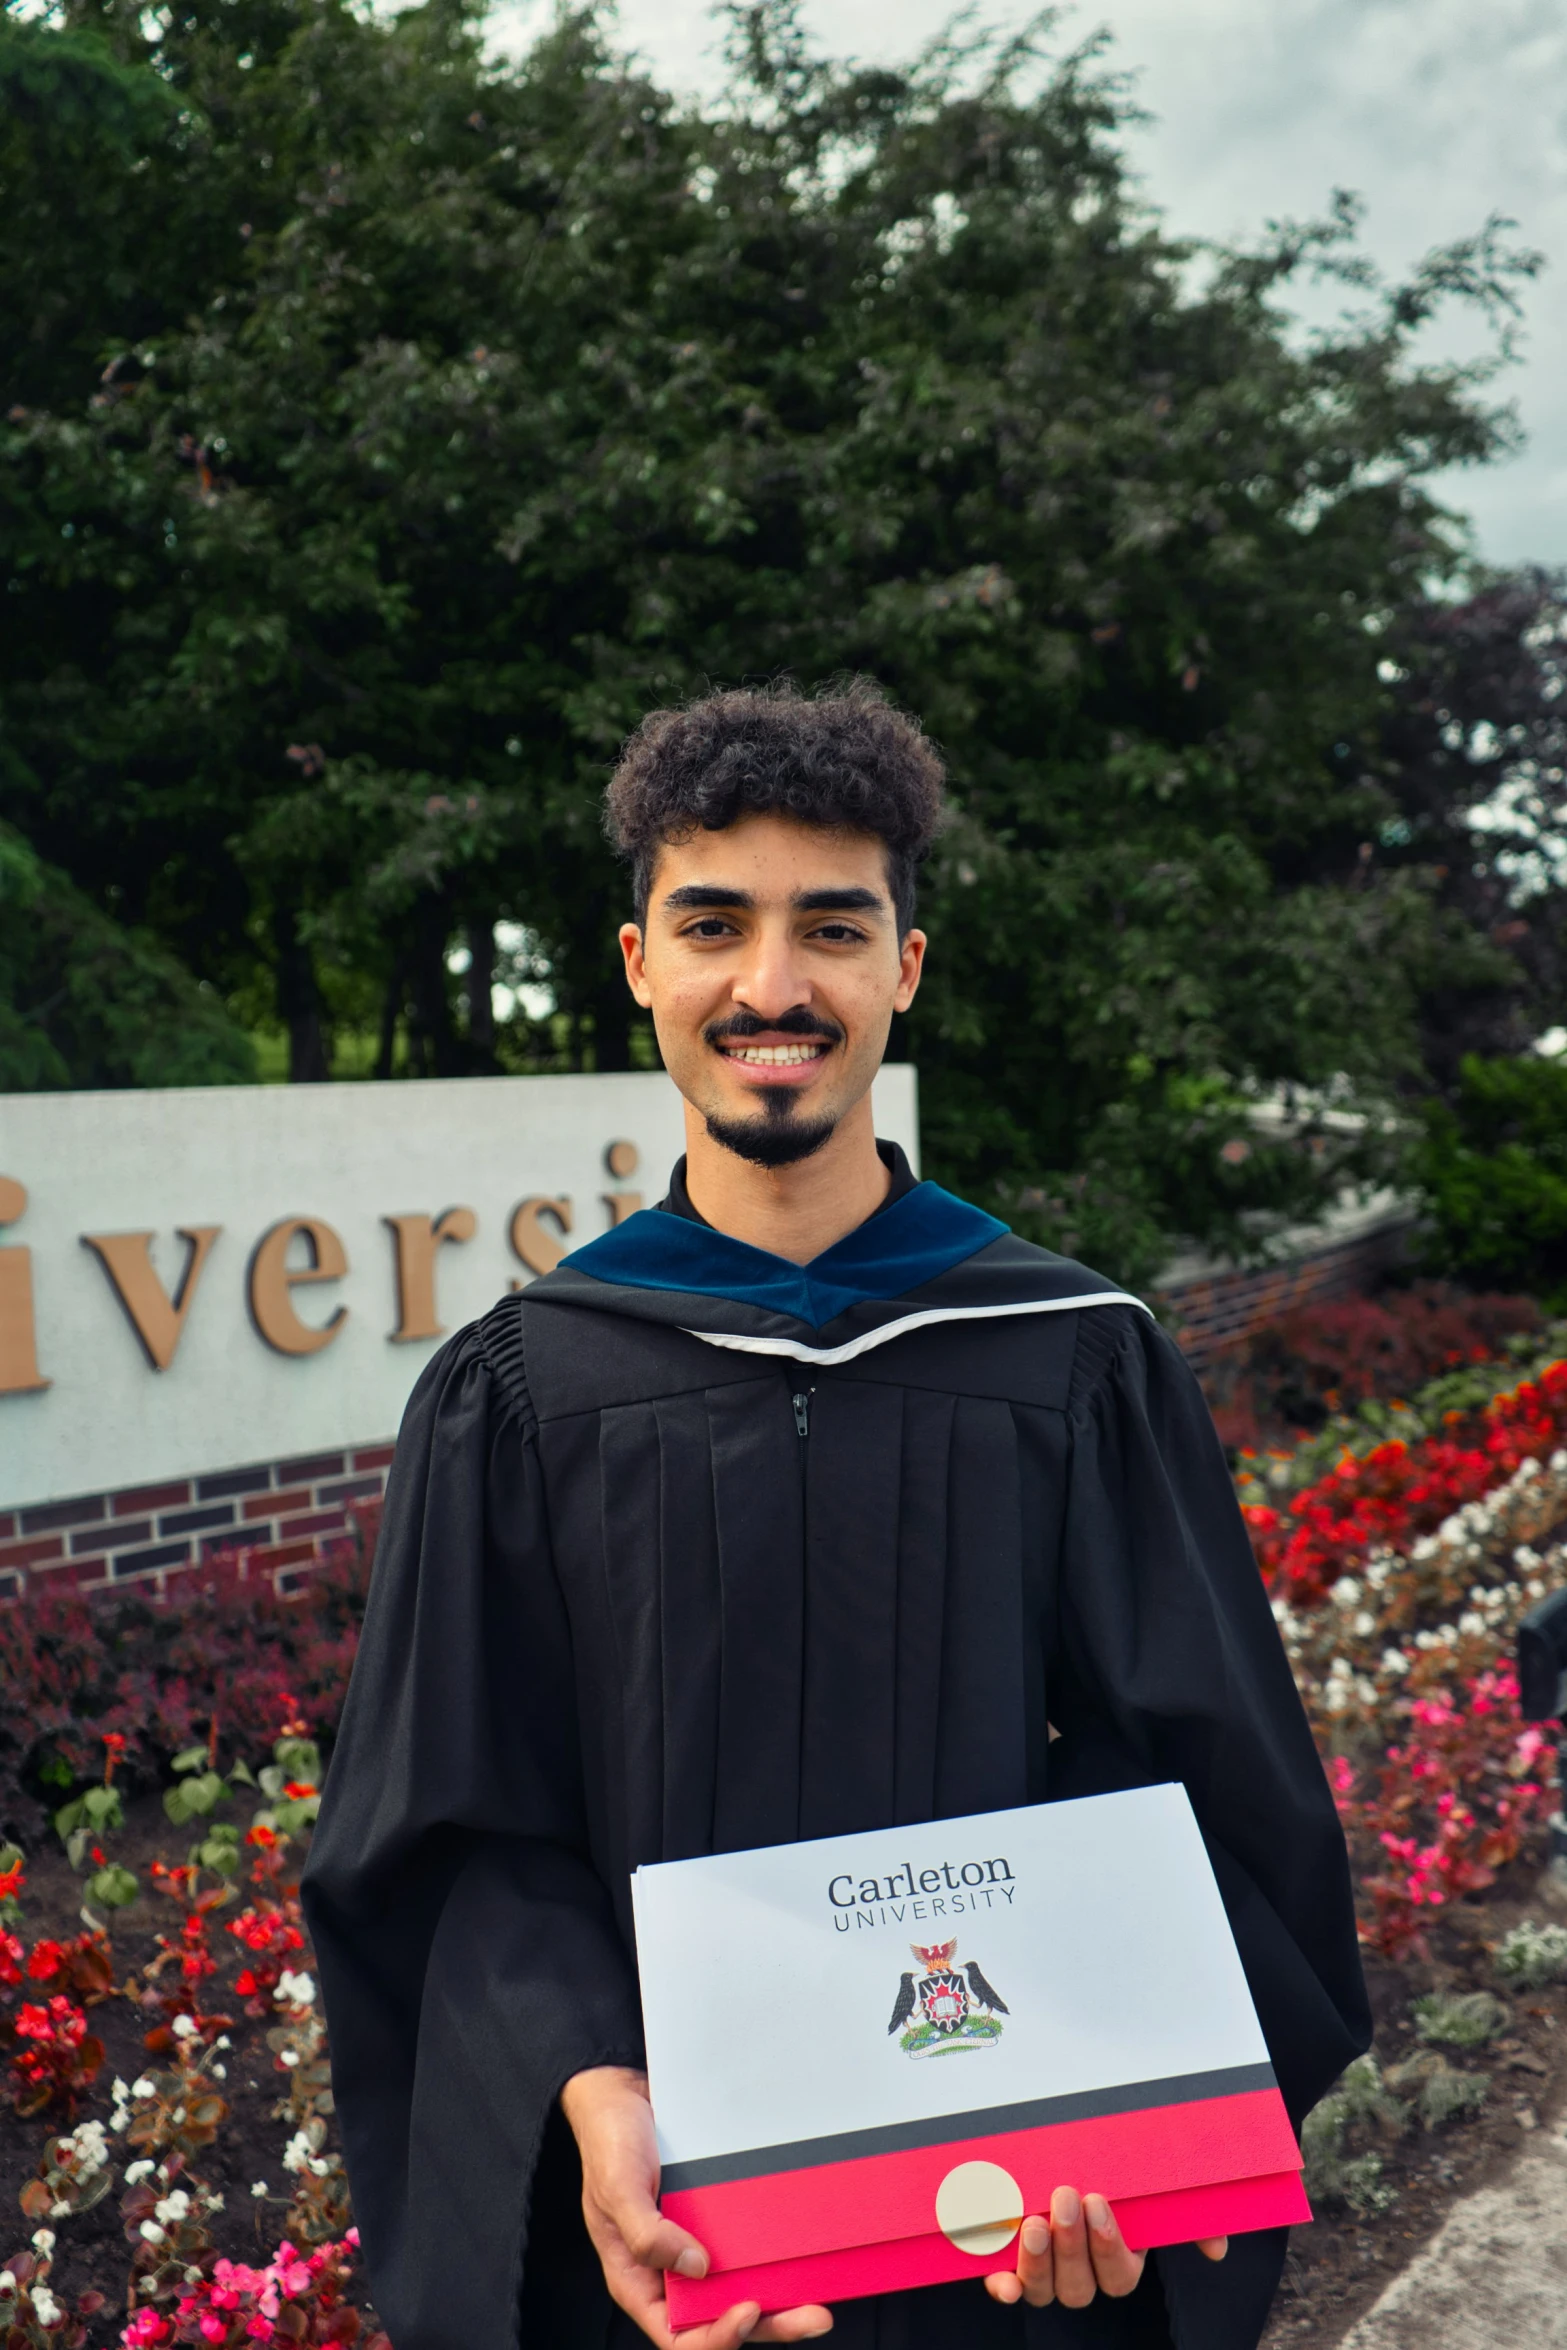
(430, 1011)
(299, 1001)
(481, 1001)
(391, 1013)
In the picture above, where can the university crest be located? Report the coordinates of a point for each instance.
(939, 2011)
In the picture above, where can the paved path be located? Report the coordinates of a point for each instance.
(1495, 2276)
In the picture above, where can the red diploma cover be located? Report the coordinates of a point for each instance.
(872, 2056)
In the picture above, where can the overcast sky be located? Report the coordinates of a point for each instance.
(1437, 112)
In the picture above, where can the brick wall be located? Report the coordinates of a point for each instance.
(279, 1515)
(1215, 1311)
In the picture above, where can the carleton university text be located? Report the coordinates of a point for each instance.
(951, 1889)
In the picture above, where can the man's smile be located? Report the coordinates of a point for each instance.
(776, 1060)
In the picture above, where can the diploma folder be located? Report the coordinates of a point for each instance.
(872, 2056)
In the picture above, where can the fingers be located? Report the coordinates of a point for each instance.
(1075, 2282)
(1032, 2279)
(1078, 2252)
(744, 2323)
(1213, 2247)
(794, 2325)
(1116, 2269)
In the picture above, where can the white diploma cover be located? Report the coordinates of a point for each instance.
(871, 2056)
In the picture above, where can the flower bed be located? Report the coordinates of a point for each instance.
(1399, 1573)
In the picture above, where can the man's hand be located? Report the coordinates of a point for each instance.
(1075, 2253)
(612, 2122)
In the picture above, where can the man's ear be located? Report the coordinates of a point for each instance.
(631, 947)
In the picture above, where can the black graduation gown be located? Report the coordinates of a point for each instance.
(687, 1550)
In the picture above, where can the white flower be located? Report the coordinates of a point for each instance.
(43, 2241)
(222, 2041)
(178, 2114)
(1394, 1661)
(1345, 1592)
(259, 2188)
(193, 2276)
(214, 2202)
(1364, 1625)
(142, 2088)
(295, 1990)
(153, 2233)
(45, 2307)
(7, 2281)
(59, 2211)
(220, 2072)
(173, 2207)
(135, 2172)
(297, 2152)
(289, 2056)
(1471, 1622)
(183, 2028)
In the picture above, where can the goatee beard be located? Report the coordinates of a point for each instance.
(776, 1139)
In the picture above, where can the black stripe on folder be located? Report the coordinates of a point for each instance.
(718, 2170)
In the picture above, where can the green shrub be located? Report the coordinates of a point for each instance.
(1493, 1170)
(1465, 2020)
(1442, 2093)
(1336, 2173)
(1531, 1956)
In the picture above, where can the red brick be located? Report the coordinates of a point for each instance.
(279, 1554)
(321, 1522)
(273, 1505)
(378, 1457)
(26, 1554)
(151, 1497)
(84, 1571)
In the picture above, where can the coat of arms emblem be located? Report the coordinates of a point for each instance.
(937, 2011)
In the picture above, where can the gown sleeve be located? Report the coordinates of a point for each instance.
(469, 1959)
(1171, 1668)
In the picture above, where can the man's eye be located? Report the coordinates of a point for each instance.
(711, 926)
(837, 932)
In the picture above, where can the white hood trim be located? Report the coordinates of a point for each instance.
(800, 1353)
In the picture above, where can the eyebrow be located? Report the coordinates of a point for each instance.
(705, 896)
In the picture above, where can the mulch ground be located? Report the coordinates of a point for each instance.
(91, 2250)
(1338, 2266)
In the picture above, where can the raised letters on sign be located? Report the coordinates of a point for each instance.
(19, 1373)
(156, 1318)
(272, 1279)
(539, 1250)
(416, 1239)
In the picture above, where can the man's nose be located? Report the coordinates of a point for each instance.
(772, 980)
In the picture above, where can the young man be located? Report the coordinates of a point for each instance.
(811, 1501)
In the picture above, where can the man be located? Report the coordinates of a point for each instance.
(812, 1501)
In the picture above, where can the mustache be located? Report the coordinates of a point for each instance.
(810, 1026)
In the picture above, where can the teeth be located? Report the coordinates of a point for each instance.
(778, 1056)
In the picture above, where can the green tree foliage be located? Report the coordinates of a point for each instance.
(1493, 1167)
(463, 409)
(84, 1002)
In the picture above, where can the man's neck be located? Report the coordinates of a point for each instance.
(794, 1212)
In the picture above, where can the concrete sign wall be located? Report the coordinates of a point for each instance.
(194, 1279)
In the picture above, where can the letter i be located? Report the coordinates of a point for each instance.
(19, 1373)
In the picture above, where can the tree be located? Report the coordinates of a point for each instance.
(85, 1003)
(529, 400)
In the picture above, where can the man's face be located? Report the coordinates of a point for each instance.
(772, 966)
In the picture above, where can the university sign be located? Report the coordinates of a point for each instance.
(190, 1280)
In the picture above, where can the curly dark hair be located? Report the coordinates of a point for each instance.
(841, 757)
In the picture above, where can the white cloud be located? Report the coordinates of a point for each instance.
(1437, 112)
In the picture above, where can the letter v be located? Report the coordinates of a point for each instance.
(156, 1318)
